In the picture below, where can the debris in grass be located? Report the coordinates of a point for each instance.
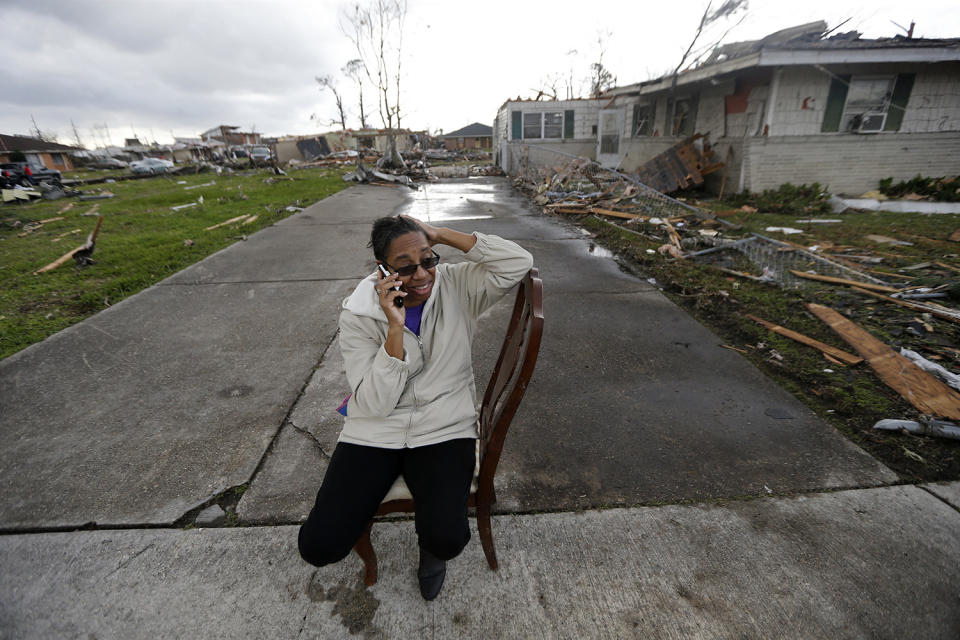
(951, 379)
(927, 426)
(784, 230)
(81, 254)
(922, 390)
(197, 186)
(849, 358)
(188, 243)
(230, 221)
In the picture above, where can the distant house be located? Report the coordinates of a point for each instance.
(799, 106)
(310, 147)
(472, 136)
(49, 154)
(229, 135)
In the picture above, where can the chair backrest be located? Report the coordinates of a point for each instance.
(508, 383)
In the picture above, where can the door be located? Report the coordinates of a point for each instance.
(609, 134)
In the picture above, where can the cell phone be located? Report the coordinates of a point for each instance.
(398, 301)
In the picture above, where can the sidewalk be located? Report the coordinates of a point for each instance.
(222, 380)
(874, 563)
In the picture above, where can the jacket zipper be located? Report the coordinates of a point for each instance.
(413, 388)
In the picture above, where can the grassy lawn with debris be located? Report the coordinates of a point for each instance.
(141, 241)
(852, 398)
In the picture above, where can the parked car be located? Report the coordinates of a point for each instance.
(151, 165)
(239, 152)
(28, 174)
(260, 153)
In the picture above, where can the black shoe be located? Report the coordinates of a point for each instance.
(431, 573)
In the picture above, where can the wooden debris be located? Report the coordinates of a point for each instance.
(66, 233)
(65, 208)
(955, 236)
(250, 219)
(851, 283)
(912, 305)
(947, 266)
(919, 388)
(86, 246)
(726, 346)
(613, 214)
(226, 222)
(839, 354)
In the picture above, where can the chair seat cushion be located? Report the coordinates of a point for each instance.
(399, 490)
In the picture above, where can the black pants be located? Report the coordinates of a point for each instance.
(358, 478)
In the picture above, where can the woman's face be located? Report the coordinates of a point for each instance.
(412, 248)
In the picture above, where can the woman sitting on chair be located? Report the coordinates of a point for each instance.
(406, 341)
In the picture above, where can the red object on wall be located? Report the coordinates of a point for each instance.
(737, 102)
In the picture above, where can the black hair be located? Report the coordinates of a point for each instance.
(386, 229)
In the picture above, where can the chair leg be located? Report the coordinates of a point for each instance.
(486, 535)
(364, 549)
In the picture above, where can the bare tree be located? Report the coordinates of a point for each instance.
(354, 70)
(76, 134)
(46, 136)
(376, 31)
(571, 56)
(725, 10)
(327, 82)
(600, 77)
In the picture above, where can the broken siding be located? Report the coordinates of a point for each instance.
(800, 102)
(934, 103)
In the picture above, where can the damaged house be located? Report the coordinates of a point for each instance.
(51, 155)
(797, 106)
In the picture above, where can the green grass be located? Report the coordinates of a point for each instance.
(140, 243)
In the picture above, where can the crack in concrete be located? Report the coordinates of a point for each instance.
(286, 419)
(938, 497)
(128, 561)
(313, 438)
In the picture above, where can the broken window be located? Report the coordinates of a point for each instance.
(366, 142)
(684, 117)
(531, 125)
(643, 119)
(553, 124)
(867, 100)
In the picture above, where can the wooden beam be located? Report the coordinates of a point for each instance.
(918, 387)
(839, 354)
(911, 305)
(613, 214)
(850, 283)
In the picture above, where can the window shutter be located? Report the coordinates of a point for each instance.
(836, 99)
(898, 101)
(568, 123)
(516, 120)
(636, 118)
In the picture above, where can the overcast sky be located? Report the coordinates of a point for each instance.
(161, 68)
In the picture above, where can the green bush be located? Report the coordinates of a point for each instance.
(809, 199)
(946, 189)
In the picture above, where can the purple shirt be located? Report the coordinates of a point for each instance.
(412, 320)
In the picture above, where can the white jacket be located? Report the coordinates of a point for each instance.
(430, 395)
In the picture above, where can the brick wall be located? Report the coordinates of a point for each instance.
(845, 163)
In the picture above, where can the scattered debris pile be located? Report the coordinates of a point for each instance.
(582, 187)
(367, 176)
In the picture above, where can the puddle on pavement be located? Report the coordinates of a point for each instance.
(448, 202)
(598, 251)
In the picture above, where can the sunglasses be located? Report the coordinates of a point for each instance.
(410, 269)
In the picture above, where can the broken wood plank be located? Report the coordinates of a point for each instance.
(947, 266)
(613, 214)
(839, 354)
(569, 205)
(918, 387)
(851, 283)
(68, 255)
(226, 222)
(912, 305)
(249, 220)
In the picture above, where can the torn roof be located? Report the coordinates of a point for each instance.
(809, 43)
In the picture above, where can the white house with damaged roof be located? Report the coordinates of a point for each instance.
(799, 106)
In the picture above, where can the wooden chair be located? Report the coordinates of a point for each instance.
(508, 383)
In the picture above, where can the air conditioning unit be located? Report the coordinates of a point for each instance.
(869, 122)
